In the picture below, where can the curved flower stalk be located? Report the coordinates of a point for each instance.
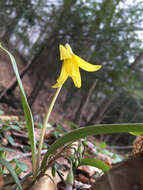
(71, 65)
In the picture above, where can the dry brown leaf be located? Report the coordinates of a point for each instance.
(1, 182)
(44, 183)
(126, 175)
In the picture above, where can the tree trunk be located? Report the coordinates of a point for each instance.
(97, 118)
(83, 104)
(39, 67)
(11, 87)
(36, 89)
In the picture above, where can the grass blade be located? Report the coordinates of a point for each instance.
(11, 171)
(90, 131)
(26, 109)
(95, 163)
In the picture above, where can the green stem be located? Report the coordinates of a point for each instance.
(44, 129)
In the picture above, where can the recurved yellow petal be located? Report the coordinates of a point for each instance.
(85, 65)
(61, 79)
(64, 53)
(75, 75)
(77, 80)
(69, 49)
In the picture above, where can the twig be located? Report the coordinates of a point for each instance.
(24, 155)
(61, 177)
(119, 147)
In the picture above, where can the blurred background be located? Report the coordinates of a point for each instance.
(104, 32)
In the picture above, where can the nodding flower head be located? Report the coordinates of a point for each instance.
(70, 66)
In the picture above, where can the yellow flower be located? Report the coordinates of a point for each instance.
(70, 66)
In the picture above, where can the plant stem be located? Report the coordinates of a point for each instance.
(44, 128)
